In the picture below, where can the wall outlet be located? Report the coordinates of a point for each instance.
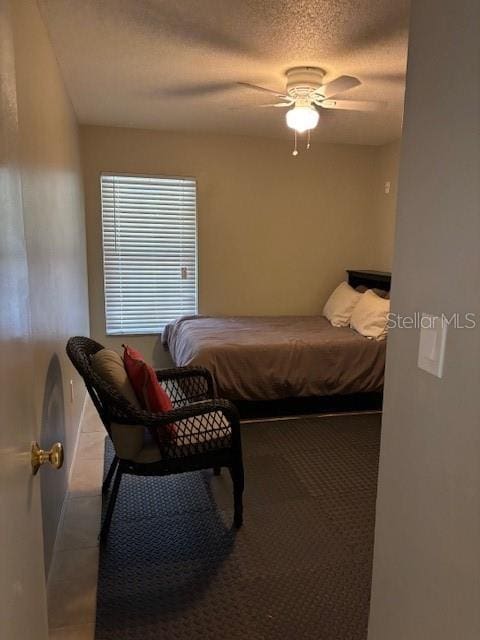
(386, 186)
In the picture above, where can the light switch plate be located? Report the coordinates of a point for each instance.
(431, 350)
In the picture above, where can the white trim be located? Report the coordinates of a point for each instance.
(67, 492)
(77, 441)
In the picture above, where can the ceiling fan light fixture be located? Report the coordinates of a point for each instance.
(302, 118)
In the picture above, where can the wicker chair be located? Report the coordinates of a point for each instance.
(208, 428)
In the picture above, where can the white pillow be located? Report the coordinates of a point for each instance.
(370, 316)
(338, 308)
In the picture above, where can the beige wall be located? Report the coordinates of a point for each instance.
(426, 577)
(275, 233)
(53, 212)
(388, 159)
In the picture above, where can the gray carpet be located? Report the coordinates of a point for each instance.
(299, 568)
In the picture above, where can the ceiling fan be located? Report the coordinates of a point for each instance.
(306, 92)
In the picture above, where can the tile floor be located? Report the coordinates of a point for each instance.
(72, 585)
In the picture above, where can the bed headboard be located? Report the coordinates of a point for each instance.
(370, 279)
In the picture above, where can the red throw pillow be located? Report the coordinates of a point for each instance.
(150, 393)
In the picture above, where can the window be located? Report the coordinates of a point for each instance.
(149, 251)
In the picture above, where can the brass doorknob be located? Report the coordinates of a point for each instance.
(40, 456)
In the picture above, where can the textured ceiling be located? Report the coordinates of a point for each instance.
(122, 61)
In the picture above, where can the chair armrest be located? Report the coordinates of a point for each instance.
(195, 383)
(195, 409)
(177, 373)
(141, 418)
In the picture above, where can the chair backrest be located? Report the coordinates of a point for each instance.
(110, 404)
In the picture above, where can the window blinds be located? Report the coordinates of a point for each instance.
(149, 251)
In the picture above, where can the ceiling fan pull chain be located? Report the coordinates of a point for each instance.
(308, 139)
(295, 150)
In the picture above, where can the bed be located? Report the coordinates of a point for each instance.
(277, 357)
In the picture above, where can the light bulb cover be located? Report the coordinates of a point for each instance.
(302, 118)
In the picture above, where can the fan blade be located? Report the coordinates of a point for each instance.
(264, 89)
(262, 106)
(352, 105)
(276, 104)
(339, 85)
(235, 107)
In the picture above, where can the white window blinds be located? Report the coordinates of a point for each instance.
(149, 251)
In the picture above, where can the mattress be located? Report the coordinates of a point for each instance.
(270, 358)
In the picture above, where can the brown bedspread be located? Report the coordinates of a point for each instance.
(268, 358)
